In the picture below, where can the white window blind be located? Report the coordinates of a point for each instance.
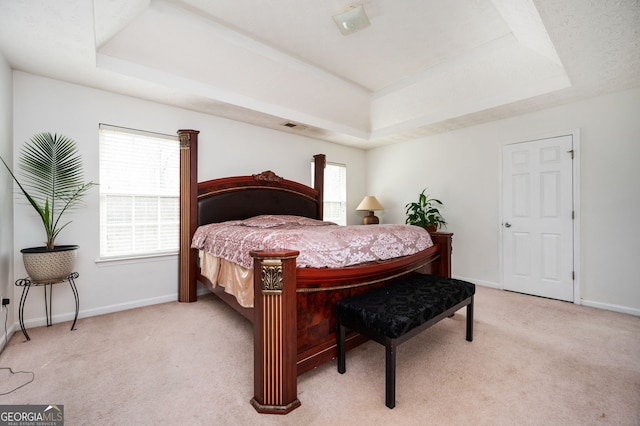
(335, 193)
(139, 193)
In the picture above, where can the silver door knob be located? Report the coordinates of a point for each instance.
(507, 225)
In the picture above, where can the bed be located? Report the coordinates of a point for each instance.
(293, 311)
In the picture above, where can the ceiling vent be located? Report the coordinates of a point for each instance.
(294, 126)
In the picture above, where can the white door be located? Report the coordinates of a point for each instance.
(537, 217)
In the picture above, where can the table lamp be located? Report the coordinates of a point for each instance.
(370, 204)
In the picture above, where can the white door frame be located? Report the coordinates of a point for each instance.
(576, 208)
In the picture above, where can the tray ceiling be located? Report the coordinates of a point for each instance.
(420, 68)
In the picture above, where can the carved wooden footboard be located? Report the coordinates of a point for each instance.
(294, 314)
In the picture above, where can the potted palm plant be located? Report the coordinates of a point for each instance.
(53, 183)
(425, 213)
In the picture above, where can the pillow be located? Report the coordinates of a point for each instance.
(271, 220)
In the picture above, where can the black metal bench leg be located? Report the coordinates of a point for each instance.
(470, 321)
(341, 331)
(390, 378)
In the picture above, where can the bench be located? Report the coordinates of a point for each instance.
(395, 312)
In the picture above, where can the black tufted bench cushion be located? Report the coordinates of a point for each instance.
(394, 313)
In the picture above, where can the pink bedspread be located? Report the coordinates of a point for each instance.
(321, 244)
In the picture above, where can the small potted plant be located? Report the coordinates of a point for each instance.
(53, 183)
(425, 213)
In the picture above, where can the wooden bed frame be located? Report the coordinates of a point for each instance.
(294, 313)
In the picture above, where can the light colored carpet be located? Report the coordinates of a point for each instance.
(533, 361)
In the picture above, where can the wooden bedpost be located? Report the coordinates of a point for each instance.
(320, 161)
(188, 257)
(275, 372)
(444, 262)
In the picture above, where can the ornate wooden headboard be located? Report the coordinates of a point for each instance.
(241, 197)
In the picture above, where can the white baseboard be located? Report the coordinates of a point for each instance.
(482, 283)
(68, 316)
(38, 322)
(10, 329)
(590, 303)
(610, 307)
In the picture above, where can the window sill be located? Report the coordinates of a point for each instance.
(115, 261)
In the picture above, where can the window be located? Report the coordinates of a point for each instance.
(139, 193)
(335, 193)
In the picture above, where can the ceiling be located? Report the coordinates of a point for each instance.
(421, 67)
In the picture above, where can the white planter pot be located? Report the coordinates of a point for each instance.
(44, 265)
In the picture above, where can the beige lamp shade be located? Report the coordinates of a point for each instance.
(370, 204)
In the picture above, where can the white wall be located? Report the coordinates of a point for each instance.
(226, 148)
(462, 168)
(6, 187)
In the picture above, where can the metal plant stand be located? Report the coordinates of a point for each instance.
(27, 283)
